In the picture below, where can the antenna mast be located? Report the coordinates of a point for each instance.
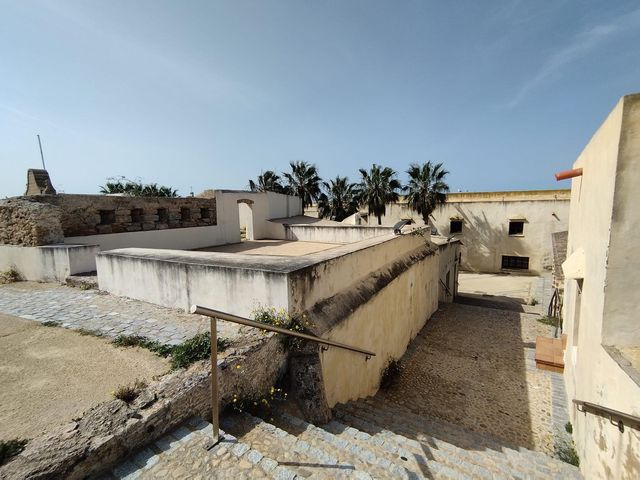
(41, 154)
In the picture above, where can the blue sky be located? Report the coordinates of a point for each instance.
(206, 94)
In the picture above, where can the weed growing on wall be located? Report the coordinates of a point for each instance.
(10, 276)
(391, 374)
(128, 393)
(11, 448)
(282, 318)
(566, 451)
(263, 406)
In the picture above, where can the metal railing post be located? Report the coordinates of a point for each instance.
(215, 418)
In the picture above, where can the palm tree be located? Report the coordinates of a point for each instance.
(304, 182)
(268, 181)
(339, 200)
(427, 188)
(136, 189)
(377, 188)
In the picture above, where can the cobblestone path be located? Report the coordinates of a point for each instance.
(107, 314)
(475, 367)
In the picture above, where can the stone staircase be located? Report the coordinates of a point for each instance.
(370, 438)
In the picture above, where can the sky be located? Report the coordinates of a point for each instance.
(208, 94)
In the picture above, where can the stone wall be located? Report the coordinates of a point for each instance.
(83, 215)
(29, 224)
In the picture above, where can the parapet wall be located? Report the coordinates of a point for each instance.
(83, 215)
(29, 224)
(334, 234)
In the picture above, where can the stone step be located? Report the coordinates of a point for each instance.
(424, 448)
(183, 454)
(354, 447)
(457, 441)
(302, 458)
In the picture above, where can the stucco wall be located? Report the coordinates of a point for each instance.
(333, 234)
(591, 373)
(385, 325)
(485, 231)
(448, 253)
(178, 279)
(50, 262)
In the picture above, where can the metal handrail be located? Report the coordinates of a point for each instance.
(446, 288)
(619, 419)
(214, 315)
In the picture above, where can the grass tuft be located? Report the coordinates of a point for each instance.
(128, 393)
(548, 321)
(51, 323)
(11, 448)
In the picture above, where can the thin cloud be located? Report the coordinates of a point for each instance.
(579, 46)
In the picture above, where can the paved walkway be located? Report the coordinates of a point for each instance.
(107, 314)
(475, 367)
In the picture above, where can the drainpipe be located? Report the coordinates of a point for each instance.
(576, 172)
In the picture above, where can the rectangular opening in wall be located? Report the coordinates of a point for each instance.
(137, 215)
(205, 213)
(185, 214)
(163, 215)
(516, 227)
(107, 217)
(512, 262)
(455, 226)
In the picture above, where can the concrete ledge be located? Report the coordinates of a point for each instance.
(49, 262)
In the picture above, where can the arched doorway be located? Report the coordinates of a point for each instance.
(245, 216)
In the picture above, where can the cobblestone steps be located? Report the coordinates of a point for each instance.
(370, 439)
(443, 441)
(182, 454)
(377, 458)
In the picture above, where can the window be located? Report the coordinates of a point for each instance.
(455, 226)
(205, 213)
(107, 217)
(163, 215)
(516, 227)
(185, 214)
(515, 263)
(137, 215)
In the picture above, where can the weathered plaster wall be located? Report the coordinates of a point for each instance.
(376, 297)
(182, 238)
(232, 283)
(485, 231)
(486, 217)
(449, 267)
(591, 373)
(48, 263)
(29, 224)
(385, 324)
(333, 234)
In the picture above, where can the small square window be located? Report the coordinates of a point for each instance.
(185, 214)
(511, 262)
(455, 226)
(516, 227)
(205, 213)
(163, 215)
(137, 215)
(107, 217)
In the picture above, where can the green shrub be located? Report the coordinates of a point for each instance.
(548, 321)
(182, 355)
(10, 276)
(568, 427)
(11, 448)
(51, 323)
